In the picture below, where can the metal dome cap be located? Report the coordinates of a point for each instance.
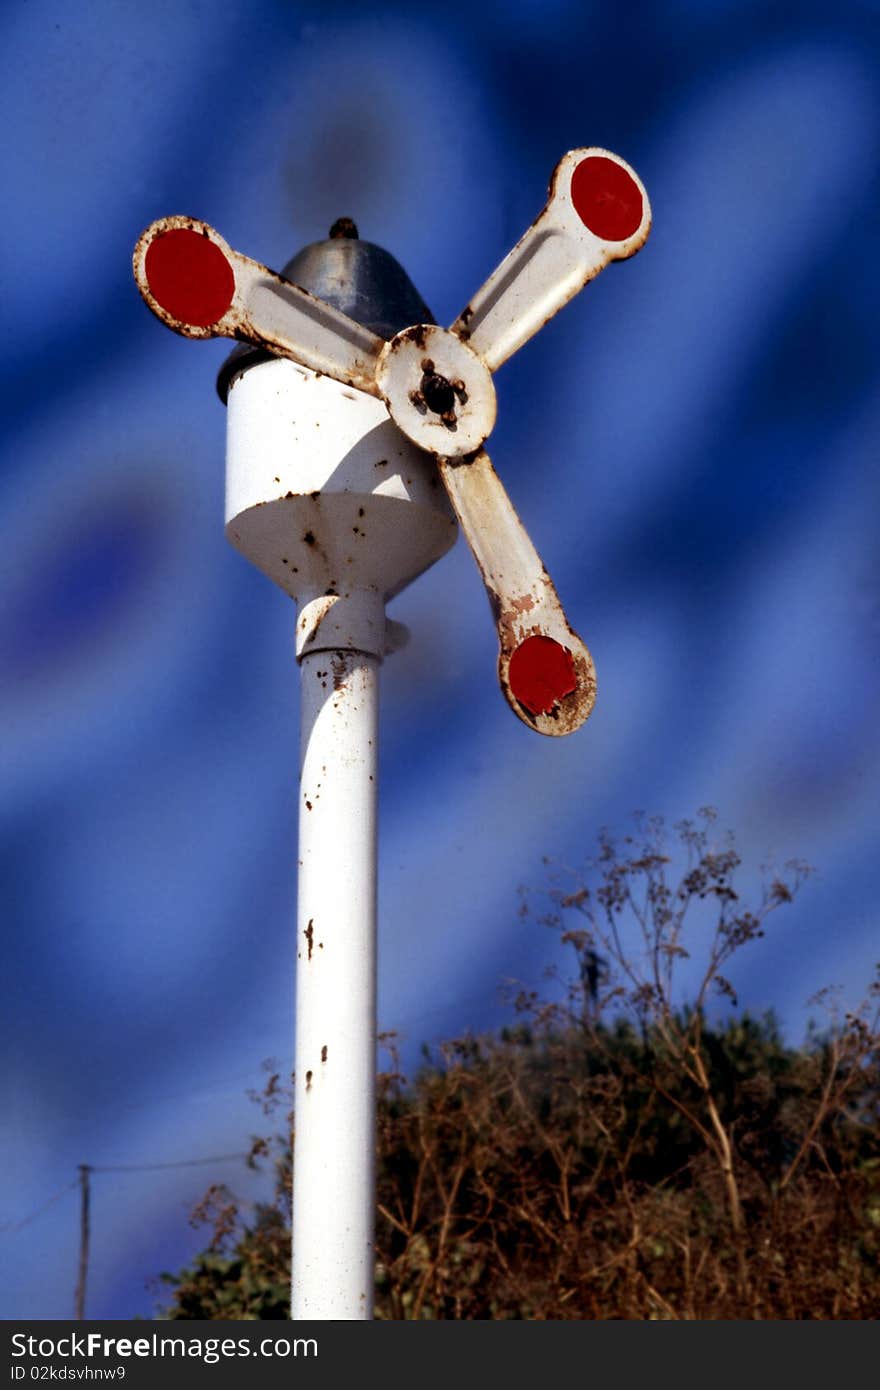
(357, 277)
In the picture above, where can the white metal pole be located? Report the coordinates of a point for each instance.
(335, 1059)
(329, 500)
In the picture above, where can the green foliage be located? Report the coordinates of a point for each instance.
(616, 1152)
(245, 1272)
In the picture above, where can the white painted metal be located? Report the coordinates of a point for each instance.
(437, 386)
(327, 497)
(438, 389)
(522, 595)
(268, 310)
(413, 357)
(335, 1088)
(547, 267)
(308, 458)
(550, 263)
(330, 498)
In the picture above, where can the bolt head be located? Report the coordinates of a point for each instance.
(437, 390)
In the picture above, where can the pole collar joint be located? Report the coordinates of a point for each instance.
(342, 622)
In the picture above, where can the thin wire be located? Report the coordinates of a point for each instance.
(8, 1228)
(151, 1167)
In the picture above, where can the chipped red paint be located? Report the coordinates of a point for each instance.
(189, 276)
(606, 198)
(541, 673)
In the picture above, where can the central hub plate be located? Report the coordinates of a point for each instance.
(437, 390)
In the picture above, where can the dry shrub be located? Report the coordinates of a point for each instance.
(615, 1152)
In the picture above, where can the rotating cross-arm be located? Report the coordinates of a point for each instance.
(437, 385)
(196, 284)
(597, 212)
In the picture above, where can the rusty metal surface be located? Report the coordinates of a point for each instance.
(437, 390)
(521, 594)
(323, 492)
(554, 259)
(437, 386)
(269, 312)
(335, 1049)
(358, 278)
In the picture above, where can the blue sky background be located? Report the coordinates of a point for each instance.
(692, 444)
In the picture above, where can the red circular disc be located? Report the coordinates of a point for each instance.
(189, 276)
(606, 198)
(541, 673)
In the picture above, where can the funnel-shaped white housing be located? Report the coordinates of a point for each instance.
(327, 498)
